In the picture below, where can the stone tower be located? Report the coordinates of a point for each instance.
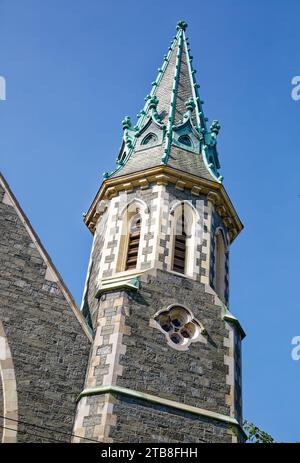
(165, 365)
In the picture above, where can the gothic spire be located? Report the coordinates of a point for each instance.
(171, 125)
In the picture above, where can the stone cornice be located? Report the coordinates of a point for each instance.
(126, 282)
(214, 191)
(232, 319)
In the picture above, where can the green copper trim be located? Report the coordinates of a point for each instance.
(181, 25)
(199, 113)
(160, 401)
(209, 167)
(152, 115)
(132, 284)
(207, 137)
(173, 98)
(161, 72)
(187, 119)
(144, 113)
(229, 317)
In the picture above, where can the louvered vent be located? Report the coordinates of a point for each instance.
(179, 246)
(133, 243)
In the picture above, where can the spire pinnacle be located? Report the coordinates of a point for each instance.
(181, 25)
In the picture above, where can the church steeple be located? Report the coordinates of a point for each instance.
(165, 361)
(172, 121)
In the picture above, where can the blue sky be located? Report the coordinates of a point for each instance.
(74, 69)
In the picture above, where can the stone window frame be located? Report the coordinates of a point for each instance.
(199, 330)
(126, 215)
(191, 241)
(132, 226)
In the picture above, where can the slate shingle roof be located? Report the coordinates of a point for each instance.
(171, 106)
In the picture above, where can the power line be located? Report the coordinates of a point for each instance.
(30, 434)
(47, 428)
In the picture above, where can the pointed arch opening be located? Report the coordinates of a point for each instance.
(132, 222)
(133, 242)
(180, 238)
(150, 139)
(185, 140)
(183, 239)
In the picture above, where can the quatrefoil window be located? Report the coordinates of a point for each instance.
(179, 326)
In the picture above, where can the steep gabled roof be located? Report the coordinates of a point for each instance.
(171, 128)
(52, 276)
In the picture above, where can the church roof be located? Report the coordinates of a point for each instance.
(44, 278)
(171, 129)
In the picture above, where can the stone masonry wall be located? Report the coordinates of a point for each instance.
(155, 241)
(196, 376)
(139, 421)
(49, 347)
(129, 351)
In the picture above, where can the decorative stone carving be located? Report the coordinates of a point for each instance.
(179, 326)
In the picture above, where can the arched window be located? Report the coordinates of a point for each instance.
(183, 233)
(179, 255)
(131, 226)
(185, 140)
(133, 242)
(149, 139)
(220, 260)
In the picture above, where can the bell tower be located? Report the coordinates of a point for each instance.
(165, 364)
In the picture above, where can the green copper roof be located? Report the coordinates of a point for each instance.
(171, 128)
